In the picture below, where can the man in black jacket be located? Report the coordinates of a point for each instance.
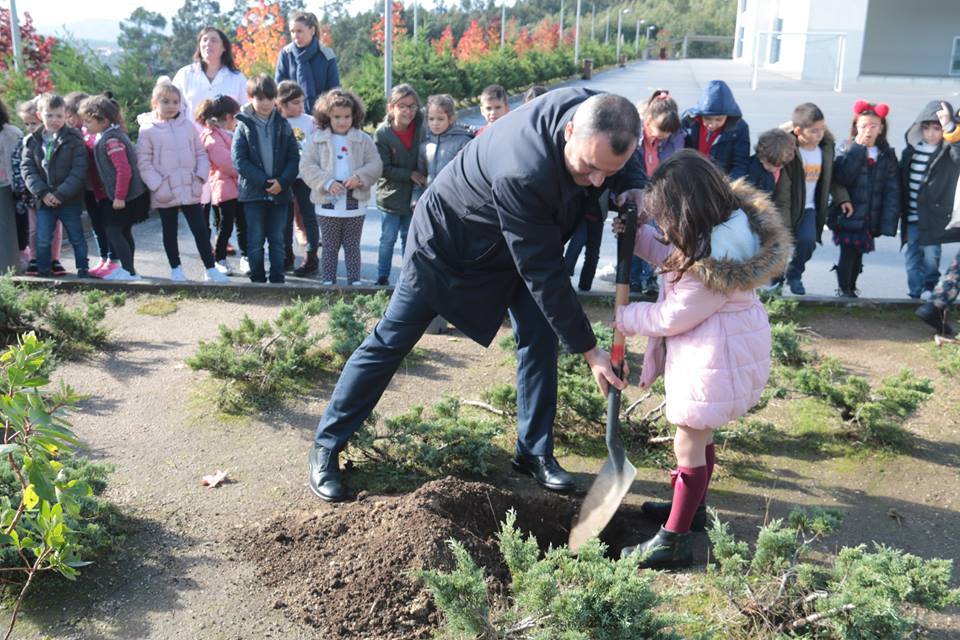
(486, 240)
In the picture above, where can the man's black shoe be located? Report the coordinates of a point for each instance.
(667, 550)
(545, 470)
(383, 281)
(934, 316)
(659, 512)
(325, 479)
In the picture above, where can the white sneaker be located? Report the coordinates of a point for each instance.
(607, 273)
(224, 267)
(926, 295)
(327, 283)
(177, 275)
(244, 266)
(121, 275)
(356, 283)
(213, 275)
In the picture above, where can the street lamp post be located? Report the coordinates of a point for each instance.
(416, 4)
(15, 37)
(606, 35)
(561, 21)
(636, 39)
(576, 37)
(387, 48)
(619, 24)
(593, 23)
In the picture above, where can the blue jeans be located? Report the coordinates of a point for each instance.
(265, 221)
(391, 224)
(589, 235)
(804, 242)
(370, 368)
(307, 213)
(69, 216)
(922, 262)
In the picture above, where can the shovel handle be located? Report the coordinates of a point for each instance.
(618, 351)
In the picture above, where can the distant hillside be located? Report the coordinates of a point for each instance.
(96, 33)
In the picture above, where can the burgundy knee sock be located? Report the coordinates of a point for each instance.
(711, 460)
(689, 488)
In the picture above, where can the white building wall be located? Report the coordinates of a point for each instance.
(847, 16)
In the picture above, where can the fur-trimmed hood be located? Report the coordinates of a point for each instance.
(748, 250)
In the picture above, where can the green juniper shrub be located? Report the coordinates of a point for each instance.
(557, 596)
(420, 444)
(75, 330)
(778, 591)
(260, 362)
(352, 319)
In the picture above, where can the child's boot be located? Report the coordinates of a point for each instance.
(310, 265)
(666, 550)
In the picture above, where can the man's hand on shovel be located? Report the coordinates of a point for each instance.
(602, 370)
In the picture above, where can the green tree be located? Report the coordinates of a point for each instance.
(142, 39)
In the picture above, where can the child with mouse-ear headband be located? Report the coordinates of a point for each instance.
(867, 166)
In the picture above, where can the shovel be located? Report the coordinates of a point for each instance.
(617, 474)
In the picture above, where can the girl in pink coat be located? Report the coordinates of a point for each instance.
(708, 332)
(217, 116)
(174, 166)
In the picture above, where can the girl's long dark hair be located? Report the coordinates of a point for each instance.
(226, 58)
(688, 196)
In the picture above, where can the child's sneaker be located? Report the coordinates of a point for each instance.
(106, 270)
(58, 269)
(177, 275)
(926, 295)
(356, 283)
(244, 266)
(83, 273)
(32, 268)
(213, 275)
(121, 275)
(327, 283)
(95, 269)
(224, 267)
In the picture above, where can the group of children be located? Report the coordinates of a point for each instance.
(857, 189)
(264, 169)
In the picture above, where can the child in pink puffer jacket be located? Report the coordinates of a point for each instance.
(708, 332)
(174, 166)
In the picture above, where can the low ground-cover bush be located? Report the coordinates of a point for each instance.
(777, 591)
(73, 329)
(559, 595)
(424, 444)
(258, 363)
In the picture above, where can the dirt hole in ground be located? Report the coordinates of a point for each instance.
(346, 570)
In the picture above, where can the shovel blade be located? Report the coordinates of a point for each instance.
(602, 501)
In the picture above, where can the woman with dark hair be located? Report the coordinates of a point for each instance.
(306, 61)
(212, 72)
(10, 139)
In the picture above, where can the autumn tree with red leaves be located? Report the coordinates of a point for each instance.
(399, 27)
(473, 43)
(37, 51)
(546, 35)
(444, 45)
(260, 37)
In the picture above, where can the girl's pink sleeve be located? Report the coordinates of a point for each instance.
(219, 156)
(648, 247)
(687, 305)
(117, 153)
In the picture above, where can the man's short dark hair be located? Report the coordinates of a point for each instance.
(262, 86)
(611, 115)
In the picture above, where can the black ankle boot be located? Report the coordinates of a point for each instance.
(666, 550)
(309, 267)
(659, 512)
(325, 479)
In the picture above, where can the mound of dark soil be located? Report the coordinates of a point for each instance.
(347, 570)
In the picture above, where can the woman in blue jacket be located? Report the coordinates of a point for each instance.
(716, 128)
(306, 61)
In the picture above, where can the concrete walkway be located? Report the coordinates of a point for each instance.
(770, 105)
